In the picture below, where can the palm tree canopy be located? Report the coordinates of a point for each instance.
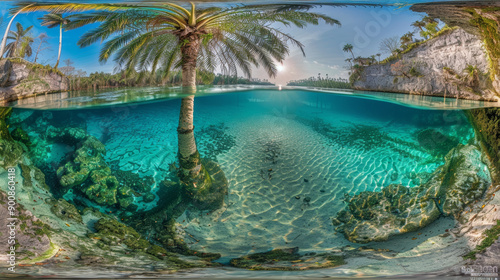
(54, 20)
(20, 40)
(347, 48)
(156, 36)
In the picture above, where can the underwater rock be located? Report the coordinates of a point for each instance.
(10, 153)
(20, 135)
(288, 259)
(147, 198)
(64, 210)
(134, 181)
(113, 233)
(376, 216)
(436, 142)
(32, 235)
(5, 113)
(89, 173)
(211, 198)
(69, 135)
(463, 178)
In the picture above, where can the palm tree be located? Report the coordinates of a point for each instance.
(6, 34)
(56, 20)
(169, 36)
(21, 42)
(407, 39)
(420, 24)
(348, 48)
(379, 57)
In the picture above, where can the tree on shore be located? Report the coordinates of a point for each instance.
(20, 45)
(56, 20)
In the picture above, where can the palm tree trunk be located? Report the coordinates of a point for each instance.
(191, 172)
(60, 46)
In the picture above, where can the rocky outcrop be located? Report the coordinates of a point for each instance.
(480, 18)
(376, 216)
(437, 68)
(20, 79)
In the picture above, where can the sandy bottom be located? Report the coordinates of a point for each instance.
(286, 181)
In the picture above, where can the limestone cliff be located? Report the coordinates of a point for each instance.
(20, 79)
(437, 68)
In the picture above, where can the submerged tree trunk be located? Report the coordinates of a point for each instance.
(192, 173)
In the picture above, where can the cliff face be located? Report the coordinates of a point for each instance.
(436, 68)
(20, 79)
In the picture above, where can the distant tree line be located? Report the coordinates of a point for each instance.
(319, 81)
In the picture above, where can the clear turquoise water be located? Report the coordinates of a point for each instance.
(325, 146)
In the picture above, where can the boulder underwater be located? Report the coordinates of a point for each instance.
(377, 216)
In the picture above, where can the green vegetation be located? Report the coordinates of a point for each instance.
(36, 68)
(409, 47)
(47, 254)
(490, 33)
(322, 82)
(490, 236)
(21, 42)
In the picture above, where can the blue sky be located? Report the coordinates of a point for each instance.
(363, 27)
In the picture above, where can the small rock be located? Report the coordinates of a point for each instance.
(307, 199)
(305, 180)
(297, 197)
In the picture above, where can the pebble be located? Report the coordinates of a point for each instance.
(297, 197)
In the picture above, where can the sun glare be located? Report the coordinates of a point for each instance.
(280, 67)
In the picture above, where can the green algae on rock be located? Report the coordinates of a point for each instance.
(89, 173)
(376, 216)
(32, 235)
(288, 259)
(211, 198)
(64, 210)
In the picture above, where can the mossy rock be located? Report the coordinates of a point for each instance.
(64, 210)
(10, 153)
(287, 259)
(212, 196)
(69, 135)
(88, 173)
(376, 216)
(134, 181)
(20, 135)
